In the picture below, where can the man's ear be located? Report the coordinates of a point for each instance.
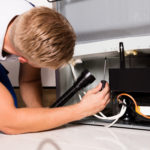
(22, 60)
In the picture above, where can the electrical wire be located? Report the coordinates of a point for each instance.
(120, 114)
(137, 108)
(114, 118)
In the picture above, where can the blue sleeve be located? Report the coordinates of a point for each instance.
(6, 82)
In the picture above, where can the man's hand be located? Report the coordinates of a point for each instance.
(95, 100)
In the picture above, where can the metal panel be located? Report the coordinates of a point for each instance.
(106, 19)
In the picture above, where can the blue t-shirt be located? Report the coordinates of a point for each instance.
(6, 82)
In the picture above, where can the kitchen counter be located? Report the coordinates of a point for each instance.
(79, 137)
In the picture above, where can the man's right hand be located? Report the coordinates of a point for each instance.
(95, 100)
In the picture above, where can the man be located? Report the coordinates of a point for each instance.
(39, 37)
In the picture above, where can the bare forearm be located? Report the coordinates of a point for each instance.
(40, 119)
(30, 85)
(31, 93)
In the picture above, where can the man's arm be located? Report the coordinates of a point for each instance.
(30, 85)
(22, 120)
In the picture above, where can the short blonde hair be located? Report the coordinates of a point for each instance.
(44, 37)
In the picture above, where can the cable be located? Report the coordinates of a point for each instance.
(115, 117)
(137, 108)
(120, 114)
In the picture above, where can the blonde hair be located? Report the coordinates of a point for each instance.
(44, 37)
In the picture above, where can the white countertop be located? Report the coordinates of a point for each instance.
(79, 137)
